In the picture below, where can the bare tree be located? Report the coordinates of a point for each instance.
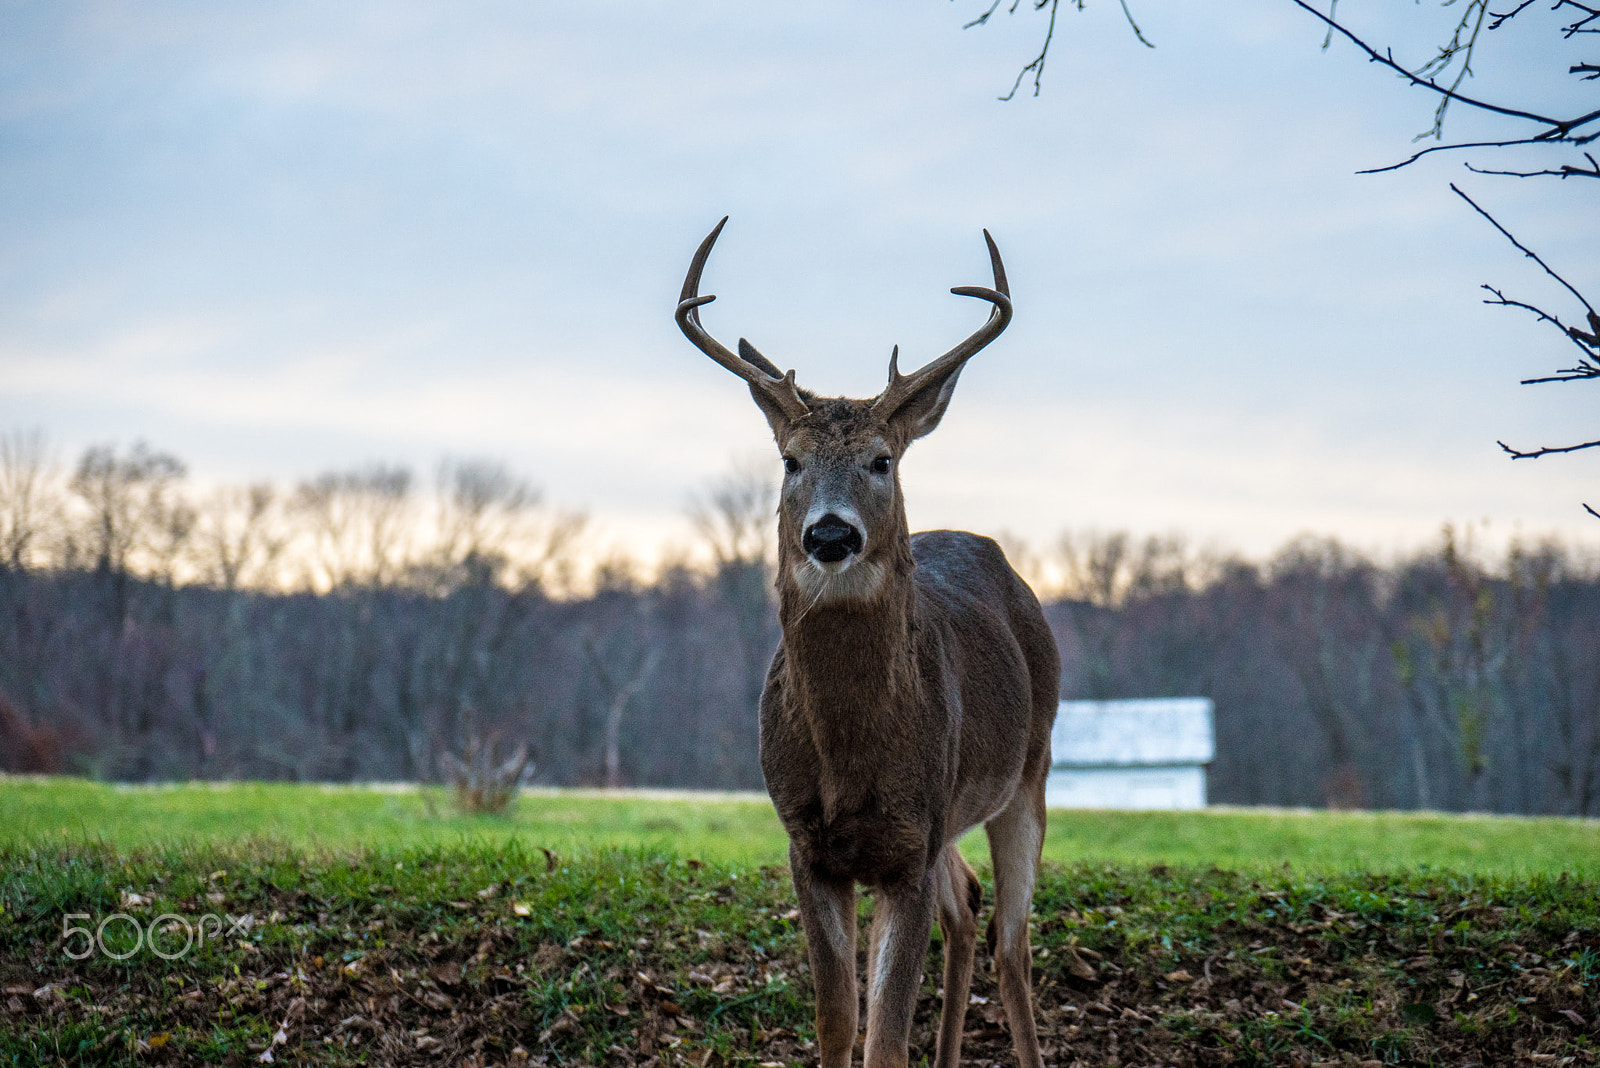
(29, 499)
(134, 513)
(734, 514)
(622, 673)
(492, 528)
(239, 538)
(1443, 75)
(482, 507)
(1559, 138)
(360, 524)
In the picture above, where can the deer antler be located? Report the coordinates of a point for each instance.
(902, 388)
(781, 390)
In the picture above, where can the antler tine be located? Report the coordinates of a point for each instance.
(782, 390)
(902, 387)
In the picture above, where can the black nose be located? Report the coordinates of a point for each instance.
(830, 539)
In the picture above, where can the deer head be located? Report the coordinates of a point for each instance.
(841, 518)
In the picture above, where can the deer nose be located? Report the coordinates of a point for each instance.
(830, 539)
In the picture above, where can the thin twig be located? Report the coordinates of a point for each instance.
(1428, 83)
(981, 19)
(1037, 66)
(1523, 248)
(1536, 140)
(1576, 337)
(1500, 20)
(1567, 170)
(1591, 511)
(1134, 25)
(1545, 450)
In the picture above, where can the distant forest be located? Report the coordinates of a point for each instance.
(359, 628)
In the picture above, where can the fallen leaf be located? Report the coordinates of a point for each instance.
(1078, 966)
(157, 1041)
(521, 909)
(1575, 1018)
(1179, 976)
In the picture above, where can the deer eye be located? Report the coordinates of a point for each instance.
(880, 466)
(791, 465)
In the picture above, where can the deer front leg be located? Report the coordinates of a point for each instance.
(902, 921)
(828, 914)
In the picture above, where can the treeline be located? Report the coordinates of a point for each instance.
(358, 628)
(1437, 682)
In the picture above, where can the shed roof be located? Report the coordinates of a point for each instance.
(1139, 733)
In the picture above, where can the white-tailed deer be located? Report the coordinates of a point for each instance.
(911, 699)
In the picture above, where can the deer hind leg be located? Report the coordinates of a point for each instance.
(960, 897)
(902, 921)
(1016, 838)
(828, 914)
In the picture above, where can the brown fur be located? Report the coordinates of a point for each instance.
(891, 725)
(910, 700)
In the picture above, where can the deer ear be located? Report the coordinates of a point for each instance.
(919, 413)
(777, 418)
(748, 353)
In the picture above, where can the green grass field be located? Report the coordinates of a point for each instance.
(744, 830)
(496, 954)
(660, 932)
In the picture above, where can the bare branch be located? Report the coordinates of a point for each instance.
(1522, 248)
(1591, 14)
(981, 19)
(1567, 170)
(1591, 511)
(1448, 54)
(1134, 26)
(1545, 450)
(1037, 66)
(1585, 342)
(1564, 126)
(1501, 20)
(1451, 148)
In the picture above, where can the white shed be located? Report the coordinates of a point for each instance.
(1144, 754)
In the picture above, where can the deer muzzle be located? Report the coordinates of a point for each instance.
(830, 539)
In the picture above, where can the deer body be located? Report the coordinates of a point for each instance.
(910, 700)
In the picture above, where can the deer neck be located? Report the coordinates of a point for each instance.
(851, 670)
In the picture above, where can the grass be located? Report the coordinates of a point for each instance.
(745, 831)
(333, 817)
(496, 953)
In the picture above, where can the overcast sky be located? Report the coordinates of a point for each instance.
(278, 238)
